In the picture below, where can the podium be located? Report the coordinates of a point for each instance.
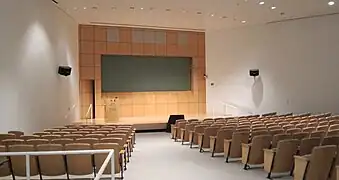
(112, 111)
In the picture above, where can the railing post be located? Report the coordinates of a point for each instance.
(112, 167)
(28, 167)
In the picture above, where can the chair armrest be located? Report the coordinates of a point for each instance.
(200, 134)
(270, 150)
(227, 140)
(300, 166)
(121, 151)
(125, 145)
(246, 145)
(302, 158)
(213, 137)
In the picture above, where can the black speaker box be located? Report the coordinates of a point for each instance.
(254, 72)
(65, 70)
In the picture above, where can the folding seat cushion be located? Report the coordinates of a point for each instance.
(232, 147)
(217, 142)
(252, 154)
(51, 165)
(278, 137)
(19, 162)
(79, 164)
(16, 133)
(204, 138)
(280, 159)
(316, 166)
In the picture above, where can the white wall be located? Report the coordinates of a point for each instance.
(35, 38)
(298, 62)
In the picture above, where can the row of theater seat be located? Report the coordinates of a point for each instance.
(121, 138)
(268, 140)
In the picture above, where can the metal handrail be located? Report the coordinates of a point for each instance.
(89, 110)
(109, 158)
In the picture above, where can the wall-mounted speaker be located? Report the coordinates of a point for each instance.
(64, 70)
(254, 72)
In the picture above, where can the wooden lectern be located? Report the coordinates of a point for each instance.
(112, 111)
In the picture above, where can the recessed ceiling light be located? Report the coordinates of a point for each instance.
(243, 22)
(85, 8)
(273, 7)
(261, 2)
(212, 15)
(142, 8)
(331, 3)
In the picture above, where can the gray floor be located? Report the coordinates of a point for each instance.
(157, 157)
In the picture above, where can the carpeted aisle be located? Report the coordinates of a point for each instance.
(157, 157)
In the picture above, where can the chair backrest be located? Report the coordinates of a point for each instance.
(323, 123)
(16, 133)
(36, 142)
(301, 125)
(258, 133)
(200, 128)
(101, 132)
(333, 132)
(279, 137)
(98, 136)
(89, 141)
(308, 144)
(276, 131)
(211, 131)
(69, 130)
(320, 162)
(284, 157)
(288, 126)
(62, 141)
(51, 165)
(301, 135)
(6, 136)
(61, 133)
(293, 130)
(122, 136)
(322, 128)
(73, 136)
(309, 129)
(330, 140)
(19, 162)
(51, 130)
(26, 137)
(112, 140)
(51, 136)
(334, 127)
(319, 134)
(79, 164)
(238, 138)
(332, 122)
(312, 124)
(100, 158)
(41, 133)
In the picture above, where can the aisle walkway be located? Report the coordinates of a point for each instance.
(157, 157)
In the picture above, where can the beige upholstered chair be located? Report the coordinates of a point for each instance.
(301, 125)
(322, 128)
(309, 129)
(19, 162)
(51, 131)
(259, 133)
(278, 137)
(334, 172)
(217, 142)
(9, 142)
(333, 132)
(276, 131)
(320, 134)
(232, 147)
(193, 136)
(4, 169)
(36, 142)
(300, 135)
(280, 159)
(252, 154)
(180, 127)
(204, 138)
(51, 165)
(307, 145)
(184, 136)
(16, 133)
(69, 130)
(174, 127)
(26, 137)
(51, 136)
(89, 141)
(98, 136)
(316, 166)
(79, 164)
(100, 158)
(6, 136)
(293, 131)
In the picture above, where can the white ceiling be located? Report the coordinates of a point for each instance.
(183, 14)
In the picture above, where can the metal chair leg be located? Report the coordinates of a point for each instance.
(215, 142)
(192, 141)
(202, 143)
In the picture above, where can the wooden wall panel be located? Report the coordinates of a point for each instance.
(95, 41)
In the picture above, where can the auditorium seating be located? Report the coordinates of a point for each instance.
(121, 138)
(276, 143)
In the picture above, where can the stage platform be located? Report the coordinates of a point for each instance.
(140, 123)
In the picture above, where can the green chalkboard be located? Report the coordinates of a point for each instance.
(121, 73)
